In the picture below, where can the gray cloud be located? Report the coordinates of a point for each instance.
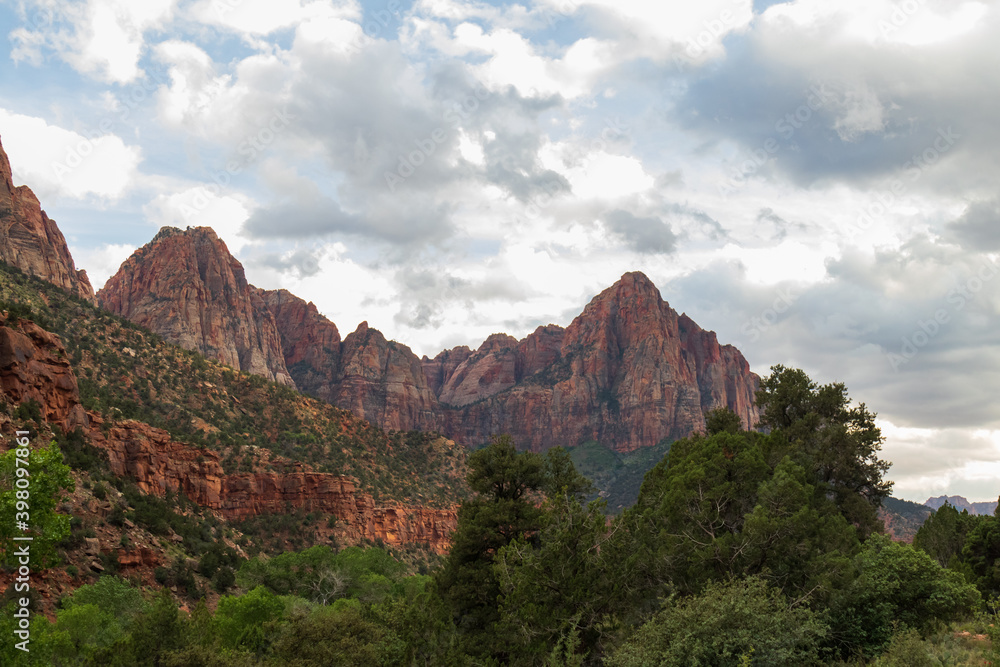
(978, 228)
(645, 235)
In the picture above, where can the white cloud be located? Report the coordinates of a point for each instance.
(201, 207)
(102, 38)
(55, 161)
(103, 262)
(878, 21)
(263, 17)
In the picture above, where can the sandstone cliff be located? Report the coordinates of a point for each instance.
(187, 287)
(383, 381)
(33, 365)
(628, 372)
(32, 242)
(310, 342)
(158, 464)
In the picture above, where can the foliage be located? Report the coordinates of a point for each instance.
(835, 443)
(741, 622)
(896, 584)
(943, 534)
(32, 493)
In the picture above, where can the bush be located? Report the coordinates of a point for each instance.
(741, 622)
(897, 584)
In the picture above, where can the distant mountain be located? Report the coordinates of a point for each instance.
(958, 502)
(31, 242)
(903, 518)
(628, 373)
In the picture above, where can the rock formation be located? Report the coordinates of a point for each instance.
(310, 342)
(187, 287)
(34, 366)
(628, 372)
(383, 381)
(32, 242)
(960, 503)
(158, 465)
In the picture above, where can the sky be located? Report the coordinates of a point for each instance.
(815, 181)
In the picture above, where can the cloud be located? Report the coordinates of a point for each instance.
(201, 206)
(59, 162)
(101, 38)
(978, 228)
(263, 17)
(645, 235)
(103, 261)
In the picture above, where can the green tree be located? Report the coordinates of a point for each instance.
(981, 554)
(838, 445)
(500, 512)
(337, 635)
(557, 587)
(943, 534)
(722, 420)
(896, 584)
(743, 622)
(239, 620)
(33, 496)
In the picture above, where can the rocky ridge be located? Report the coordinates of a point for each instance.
(31, 241)
(187, 287)
(628, 372)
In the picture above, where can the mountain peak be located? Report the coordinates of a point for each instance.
(31, 241)
(187, 287)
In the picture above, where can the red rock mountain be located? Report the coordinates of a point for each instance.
(32, 242)
(187, 287)
(627, 372)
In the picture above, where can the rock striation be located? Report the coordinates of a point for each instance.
(31, 241)
(34, 366)
(383, 382)
(310, 343)
(628, 372)
(188, 288)
(160, 465)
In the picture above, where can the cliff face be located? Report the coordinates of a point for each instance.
(31, 241)
(159, 465)
(310, 343)
(383, 381)
(185, 286)
(628, 372)
(33, 365)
